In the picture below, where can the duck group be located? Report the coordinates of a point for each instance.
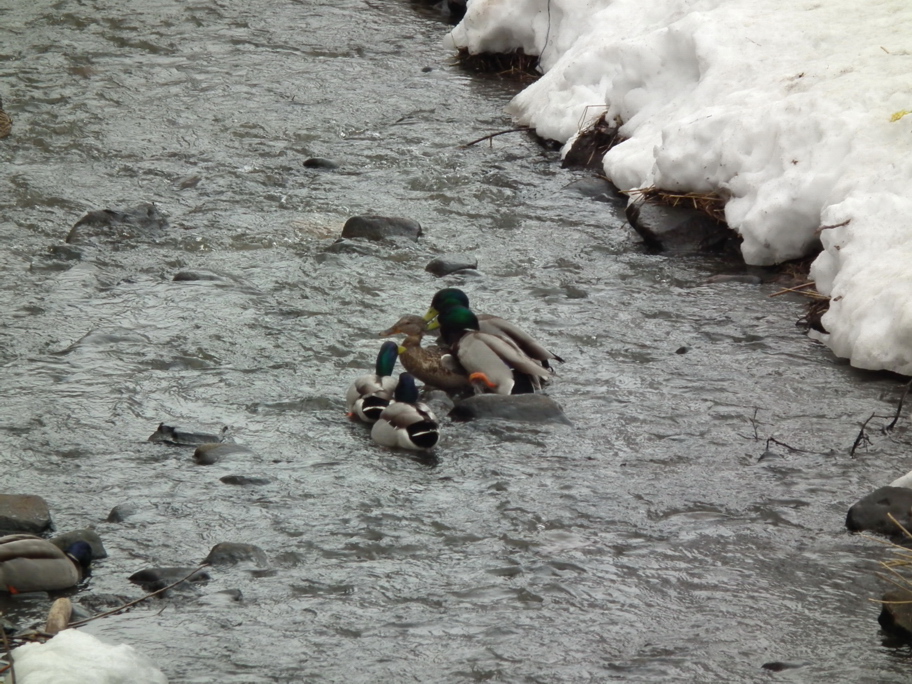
(476, 352)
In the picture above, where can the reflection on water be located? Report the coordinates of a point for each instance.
(646, 543)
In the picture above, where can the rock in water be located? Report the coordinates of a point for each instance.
(529, 408)
(381, 227)
(144, 220)
(677, 229)
(871, 514)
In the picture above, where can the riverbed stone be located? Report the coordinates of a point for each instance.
(381, 227)
(121, 512)
(208, 454)
(153, 579)
(232, 553)
(143, 220)
(244, 480)
(896, 612)
(23, 513)
(871, 514)
(528, 408)
(451, 263)
(680, 230)
(67, 539)
(320, 163)
(598, 189)
(181, 436)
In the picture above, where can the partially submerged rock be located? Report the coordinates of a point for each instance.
(66, 540)
(381, 227)
(23, 513)
(677, 229)
(207, 454)
(872, 513)
(451, 263)
(529, 408)
(896, 612)
(153, 579)
(232, 553)
(144, 220)
(172, 434)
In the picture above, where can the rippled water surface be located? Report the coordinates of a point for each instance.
(646, 543)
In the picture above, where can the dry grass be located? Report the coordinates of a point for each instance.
(709, 203)
(896, 569)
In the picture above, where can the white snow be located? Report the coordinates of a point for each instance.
(791, 110)
(74, 657)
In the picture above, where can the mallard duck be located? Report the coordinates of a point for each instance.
(492, 325)
(490, 360)
(6, 123)
(30, 563)
(369, 394)
(406, 423)
(432, 365)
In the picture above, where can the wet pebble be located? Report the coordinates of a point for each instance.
(189, 276)
(451, 263)
(381, 227)
(529, 408)
(23, 513)
(207, 454)
(121, 512)
(598, 189)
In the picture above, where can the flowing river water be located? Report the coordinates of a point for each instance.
(648, 542)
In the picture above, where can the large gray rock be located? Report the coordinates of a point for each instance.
(871, 514)
(677, 229)
(528, 408)
(381, 227)
(23, 513)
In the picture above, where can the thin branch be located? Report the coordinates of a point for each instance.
(772, 440)
(80, 623)
(797, 288)
(889, 428)
(521, 129)
(862, 438)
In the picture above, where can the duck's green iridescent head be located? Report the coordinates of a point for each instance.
(386, 359)
(446, 299)
(406, 390)
(455, 322)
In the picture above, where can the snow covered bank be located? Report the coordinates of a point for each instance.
(793, 111)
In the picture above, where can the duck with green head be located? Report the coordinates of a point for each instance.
(30, 563)
(369, 394)
(406, 423)
(492, 362)
(432, 365)
(450, 297)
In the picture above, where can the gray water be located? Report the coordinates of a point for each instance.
(646, 543)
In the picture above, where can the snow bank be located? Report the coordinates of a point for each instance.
(784, 108)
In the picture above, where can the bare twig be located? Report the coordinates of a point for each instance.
(772, 440)
(797, 288)
(520, 129)
(80, 623)
(892, 424)
(862, 439)
(755, 424)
